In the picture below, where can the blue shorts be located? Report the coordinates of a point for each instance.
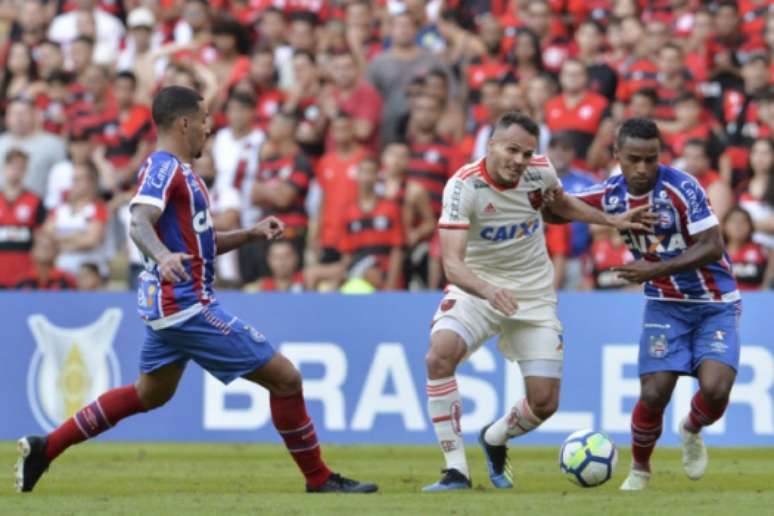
(219, 342)
(679, 336)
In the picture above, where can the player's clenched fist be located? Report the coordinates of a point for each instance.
(269, 228)
(172, 268)
(502, 299)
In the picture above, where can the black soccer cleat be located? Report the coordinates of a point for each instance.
(32, 462)
(338, 484)
(451, 480)
(500, 473)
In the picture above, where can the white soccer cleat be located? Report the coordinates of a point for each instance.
(636, 481)
(695, 457)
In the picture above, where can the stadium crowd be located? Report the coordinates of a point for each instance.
(345, 118)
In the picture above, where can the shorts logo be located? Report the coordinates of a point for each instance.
(447, 304)
(535, 198)
(658, 346)
(71, 366)
(718, 346)
(719, 334)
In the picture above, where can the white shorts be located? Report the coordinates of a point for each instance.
(533, 333)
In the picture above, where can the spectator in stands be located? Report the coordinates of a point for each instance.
(225, 207)
(757, 194)
(372, 234)
(20, 75)
(43, 149)
(139, 57)
(81, 57)
(417, 215)
(525, 57)
(89, 277)
(128, 139)
(590, 40)
(748, 258)
(451, 124)
(231, 45)
(79, 151)
(262, 82)
(21, 214)
(97, 112)
(738, 114)
(577, 110)
(301, 37)
(54, 102)
(106, 29)
(696, 162)
(689, 124)
(391, 71)
(561, 152)
(643, 103)
(538, 91)
(78, 226)
(29, 27)
(553, 44)
(49, 58)
(282, 183)
(43, 274)
(335, 174)
(235, 151)
(302, 100)
(484, 115)
(284, 274)
(194, 26)
(350, 93)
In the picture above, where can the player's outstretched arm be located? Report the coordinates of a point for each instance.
(569, 207)
(453, 245)
(706, 248)
(143, 233)
(269, 228)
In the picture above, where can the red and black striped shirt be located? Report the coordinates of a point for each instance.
(19, 219)
(374, 233)
(431, 165)
(295, 170)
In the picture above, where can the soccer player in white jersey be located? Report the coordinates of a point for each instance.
(501, 283)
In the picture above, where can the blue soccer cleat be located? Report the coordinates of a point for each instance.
(497, 463)
(451, 481)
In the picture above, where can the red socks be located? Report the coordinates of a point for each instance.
(110, 408)
(646, 429)
(702, 414)
(297, 430)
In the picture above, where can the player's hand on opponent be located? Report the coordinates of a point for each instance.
(269, 228)
(638, 219)
(172, 268)
(637, 272)
(501, 299)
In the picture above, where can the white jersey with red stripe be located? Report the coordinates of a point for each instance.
(506, 242)
(185, 226)
(684, 212)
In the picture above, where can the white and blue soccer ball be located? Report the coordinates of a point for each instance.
(588, 458)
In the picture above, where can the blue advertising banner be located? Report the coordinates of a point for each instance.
(362, 358)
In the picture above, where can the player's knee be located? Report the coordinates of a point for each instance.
(439, 364)
(153, 397)
(716, 394)
(544, 407)
(653, 397)
(290, 383)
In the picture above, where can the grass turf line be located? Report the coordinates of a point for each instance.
(135, 478)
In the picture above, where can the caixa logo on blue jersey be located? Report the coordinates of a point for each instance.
(71, 366)
(654, 244)
(511, 231)
(202, 221)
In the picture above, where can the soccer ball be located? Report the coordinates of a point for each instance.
(588, 458)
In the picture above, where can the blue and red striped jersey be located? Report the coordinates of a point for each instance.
(185, 226)
(684, 212)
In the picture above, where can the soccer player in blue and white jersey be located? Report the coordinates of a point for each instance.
(692, 311)
(172, 226)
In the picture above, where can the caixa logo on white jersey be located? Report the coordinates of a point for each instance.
(202, 221)
(70, 366)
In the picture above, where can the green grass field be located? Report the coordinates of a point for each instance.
(106, 478)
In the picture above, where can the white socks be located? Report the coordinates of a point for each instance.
(444, 404)
(519, 421)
